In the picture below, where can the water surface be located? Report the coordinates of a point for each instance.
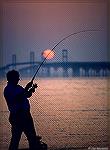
(70, 112)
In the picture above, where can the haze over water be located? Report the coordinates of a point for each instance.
(70, 112)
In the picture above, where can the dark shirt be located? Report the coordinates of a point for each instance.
(16, 98)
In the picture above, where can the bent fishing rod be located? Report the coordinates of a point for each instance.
(75, 33)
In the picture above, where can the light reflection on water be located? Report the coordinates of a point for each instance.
(66, 112)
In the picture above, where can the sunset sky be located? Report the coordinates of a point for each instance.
(39, 26)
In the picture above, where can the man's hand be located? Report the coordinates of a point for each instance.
(30, 88)
(29, 85)
(34, 87)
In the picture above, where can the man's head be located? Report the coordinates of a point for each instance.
(13, 76)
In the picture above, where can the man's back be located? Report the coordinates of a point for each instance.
(15, 98)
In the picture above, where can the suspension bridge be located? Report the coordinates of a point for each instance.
(60, 69)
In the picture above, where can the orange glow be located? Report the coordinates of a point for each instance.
(48, 54)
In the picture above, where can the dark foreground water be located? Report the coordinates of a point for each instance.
(66, 112)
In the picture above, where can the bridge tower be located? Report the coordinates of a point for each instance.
(64, 55)
(14, 61)
(65, 60)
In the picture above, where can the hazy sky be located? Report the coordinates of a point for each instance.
(38, 26)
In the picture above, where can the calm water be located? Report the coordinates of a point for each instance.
(66, 112)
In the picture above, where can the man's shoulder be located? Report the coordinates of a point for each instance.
(19, 86)
(10, 87)
(13, 90)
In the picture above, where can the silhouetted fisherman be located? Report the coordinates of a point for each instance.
(19, 107)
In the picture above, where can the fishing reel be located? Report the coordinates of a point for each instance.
(31, 86)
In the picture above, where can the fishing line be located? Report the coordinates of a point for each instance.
(75, 33)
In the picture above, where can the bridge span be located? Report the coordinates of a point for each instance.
(60, 69)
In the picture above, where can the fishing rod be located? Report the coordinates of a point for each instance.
(75, 33)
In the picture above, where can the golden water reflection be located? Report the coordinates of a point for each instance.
(66, 112)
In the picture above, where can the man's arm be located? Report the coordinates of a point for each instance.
(29, 89)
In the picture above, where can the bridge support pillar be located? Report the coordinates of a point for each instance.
(65, 72)
(48, 72)
(76, 72)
